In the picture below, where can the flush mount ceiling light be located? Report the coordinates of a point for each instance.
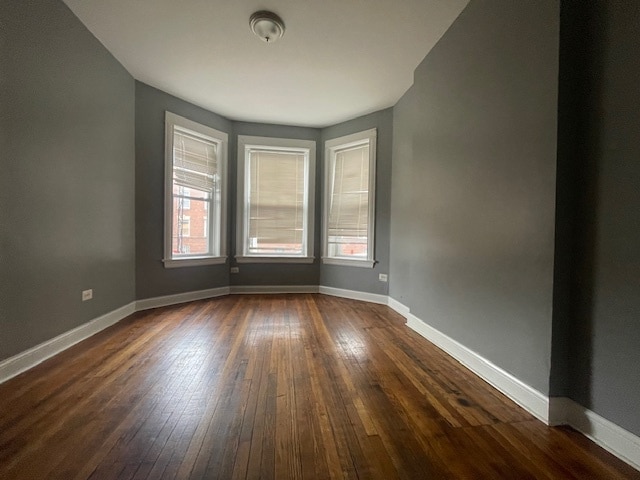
(267, 25)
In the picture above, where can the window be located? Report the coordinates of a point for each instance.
(349, 196)
(186, 199)
(275, 200)
(185, 226)
(195, 192)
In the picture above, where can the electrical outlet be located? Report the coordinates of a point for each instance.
(235, 270)
(382, 277)
(87, 295)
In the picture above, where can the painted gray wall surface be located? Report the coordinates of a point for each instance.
(152, 279)
(273, 273)
(473, 223)
(604, 350)
(401, 265)
(68, 176)
(5, 148)
(571, 179)
(356, 278)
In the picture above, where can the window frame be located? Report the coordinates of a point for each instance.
(331, 147)
(308, 147)
(221, 139)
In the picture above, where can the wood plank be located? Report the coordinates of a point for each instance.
(301, 386)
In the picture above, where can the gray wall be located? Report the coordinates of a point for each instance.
(68, 176)
(356, 278)
(571, 178)
(472, 237)
(604, 351)
(152, 279)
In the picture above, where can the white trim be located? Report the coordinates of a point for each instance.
(267, 289)
(193, 262)
(527, 397)
(266, 259)
(352, 139)
(558, 411)
(348, 262)
(354, 295)
(178, 298)
(23, 361)
(398, 307)
(613, 438)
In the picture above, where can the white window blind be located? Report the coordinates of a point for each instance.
(276, 203)
(194, 161)
(276, 190)
(349, 204)
(349, 208)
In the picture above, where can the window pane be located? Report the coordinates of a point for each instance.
(348, 247)
(195, 185)
(276, 207)
(190, 192)
(190, 234)
(349, 203)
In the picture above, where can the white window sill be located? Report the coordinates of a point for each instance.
(348, 262)
(193, 261)
(266, 259)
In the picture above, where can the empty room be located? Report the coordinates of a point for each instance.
(319, 240)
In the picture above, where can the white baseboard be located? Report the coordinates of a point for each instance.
(354, 295)
(262, 289)
(613, 438)
(527, 397)
(23, 361)
(156, 302)
(558, 411)
(398, 307)
(552, 411)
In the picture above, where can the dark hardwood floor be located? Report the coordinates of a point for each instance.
(274, 387)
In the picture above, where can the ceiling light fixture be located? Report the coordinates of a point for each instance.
(267, 25)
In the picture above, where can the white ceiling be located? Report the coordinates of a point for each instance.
(337, 60)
